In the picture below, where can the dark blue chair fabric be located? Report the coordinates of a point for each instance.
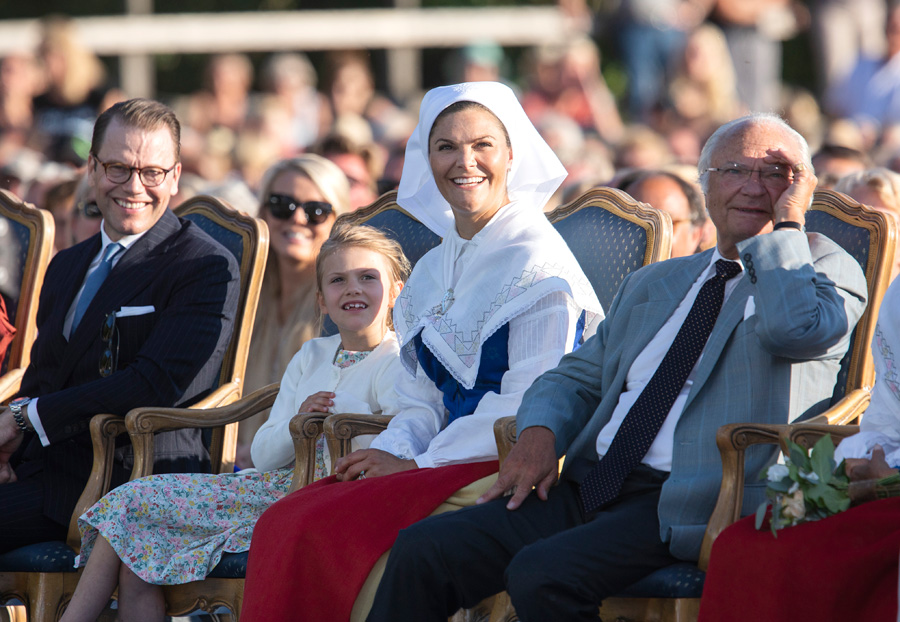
(683, 580)
(40, 557)
(855, 240)
(231, 566)
(415, 238)
(607, 247)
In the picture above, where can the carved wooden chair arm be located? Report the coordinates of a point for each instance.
(104, 431)
(305, 429)
(847, 410)
(341, 428)
(505, 435)
(222, 396)
(143, 423)
(733, 440)
(807, 433)
(10, 383)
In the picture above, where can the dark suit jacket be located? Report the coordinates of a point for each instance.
(171, 356)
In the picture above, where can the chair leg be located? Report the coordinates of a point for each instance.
(13, 613)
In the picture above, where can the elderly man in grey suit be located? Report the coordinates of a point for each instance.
(753, 330)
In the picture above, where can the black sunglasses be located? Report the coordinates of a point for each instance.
(90, 209)
(109, 360)
(282, 207)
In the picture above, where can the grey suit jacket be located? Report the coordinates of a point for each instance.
(776, 365)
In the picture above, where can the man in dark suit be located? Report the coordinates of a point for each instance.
(139, 315)
(753, 330)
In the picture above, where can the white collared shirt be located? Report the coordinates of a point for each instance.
(126, 242)
(659, 456)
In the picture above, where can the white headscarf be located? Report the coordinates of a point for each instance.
(462, 292)
(535, 174)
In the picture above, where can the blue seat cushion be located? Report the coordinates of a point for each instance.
(683, 580)
(231, 566)
(40, 557)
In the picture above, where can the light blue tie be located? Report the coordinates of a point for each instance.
(93, 283)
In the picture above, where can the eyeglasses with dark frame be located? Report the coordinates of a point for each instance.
(283, 206)
(109, 360)
(775, 176)
(150, 176)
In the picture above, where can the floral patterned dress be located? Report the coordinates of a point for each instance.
(172, 529)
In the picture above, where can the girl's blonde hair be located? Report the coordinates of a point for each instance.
(362, 236)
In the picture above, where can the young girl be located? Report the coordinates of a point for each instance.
(171, 529)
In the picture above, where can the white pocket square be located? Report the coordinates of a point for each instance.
(750, 307)
(129, 311)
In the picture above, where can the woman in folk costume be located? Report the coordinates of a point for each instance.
(496, 304)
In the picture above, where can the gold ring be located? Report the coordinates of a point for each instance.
(800, 167)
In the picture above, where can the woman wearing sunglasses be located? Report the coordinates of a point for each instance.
(300, 198)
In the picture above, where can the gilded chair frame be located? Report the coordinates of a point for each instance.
(883, 233)
(48, 593)
(40, 249)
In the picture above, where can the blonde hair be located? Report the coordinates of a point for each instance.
(362, 236)
(84, 71)
(884, 182)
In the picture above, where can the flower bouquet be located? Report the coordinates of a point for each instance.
(809, 486)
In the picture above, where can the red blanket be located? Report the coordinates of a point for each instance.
(7, 332)
(842, 568)
(312, 551)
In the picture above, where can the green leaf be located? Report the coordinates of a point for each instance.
(798, 456)
(781, 485)
(761, 514)
(822, 458)
(827, 497)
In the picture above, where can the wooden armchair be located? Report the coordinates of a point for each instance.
(26, 238)
(42, 575)
(869, 236)
(674, 593)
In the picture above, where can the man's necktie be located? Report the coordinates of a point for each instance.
(643, 421)
(94, 281)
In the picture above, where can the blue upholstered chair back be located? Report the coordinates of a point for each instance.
(864, 233)
(612, 235)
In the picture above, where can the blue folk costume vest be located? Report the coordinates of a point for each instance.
(459, 335)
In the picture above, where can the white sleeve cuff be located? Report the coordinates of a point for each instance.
(35, 421)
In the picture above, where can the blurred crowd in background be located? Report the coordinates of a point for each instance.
(690, 65)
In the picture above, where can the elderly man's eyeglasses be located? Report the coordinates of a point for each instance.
(150, 176)
(282, 207)
(774, 176)
(109, 360)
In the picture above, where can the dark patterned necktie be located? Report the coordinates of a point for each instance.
(643, 421)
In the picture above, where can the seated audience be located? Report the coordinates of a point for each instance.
(138, 315)
(143, 534)
(669, 193)
(635, 412)
(832, 162)
(86, 215)
(300, 199)
(478, 174)
(878, 188)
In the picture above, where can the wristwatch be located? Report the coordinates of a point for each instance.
(16, 407)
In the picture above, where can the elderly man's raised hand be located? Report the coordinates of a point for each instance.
(532, 463)
(795, 200)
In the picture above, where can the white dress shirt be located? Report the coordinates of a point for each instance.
(659, 456)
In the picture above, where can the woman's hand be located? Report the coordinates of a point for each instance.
(371, 462)
(876, 467)
(318, 402)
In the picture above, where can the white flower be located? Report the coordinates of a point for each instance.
(794, 506)
(777, 472)
(810, 477)
(794, 488)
